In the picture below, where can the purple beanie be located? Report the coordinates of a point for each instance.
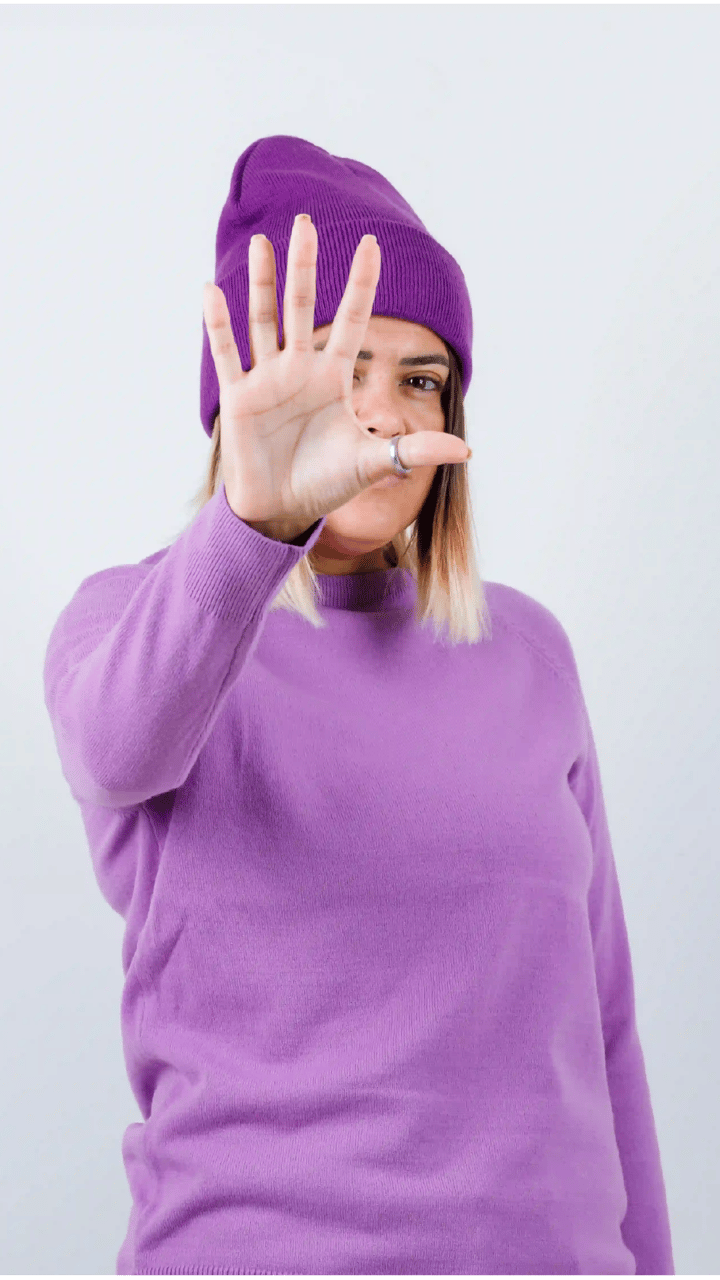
(281, 176)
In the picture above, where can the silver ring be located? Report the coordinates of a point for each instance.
(397, 464)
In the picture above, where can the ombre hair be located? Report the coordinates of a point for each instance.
(437, 548)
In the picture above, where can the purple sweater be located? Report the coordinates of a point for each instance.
(378, 1011)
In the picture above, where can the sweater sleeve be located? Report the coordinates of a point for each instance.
(646, 1226)
(139, 663)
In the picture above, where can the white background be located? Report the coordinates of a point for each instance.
(567, 157)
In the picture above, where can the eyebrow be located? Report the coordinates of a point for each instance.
(436, 357)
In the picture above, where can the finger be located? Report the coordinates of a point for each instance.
(352, 317)
(300, 286)
(419, 449)
(222, 343)
(262, 300)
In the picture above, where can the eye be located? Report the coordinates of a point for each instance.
(435, 383)
(421, 377)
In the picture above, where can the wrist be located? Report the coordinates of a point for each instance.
(278, 531)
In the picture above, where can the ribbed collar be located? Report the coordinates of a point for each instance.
(368, 592)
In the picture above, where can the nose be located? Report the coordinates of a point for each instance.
(377, 413)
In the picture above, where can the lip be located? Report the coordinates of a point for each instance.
(388, 482)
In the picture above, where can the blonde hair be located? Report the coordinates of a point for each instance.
(437, 548)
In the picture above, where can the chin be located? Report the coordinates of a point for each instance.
(355, 539)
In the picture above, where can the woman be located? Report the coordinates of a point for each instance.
(378, 1011)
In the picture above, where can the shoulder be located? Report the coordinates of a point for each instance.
(133, 572)
(535, 625)
(110, 589)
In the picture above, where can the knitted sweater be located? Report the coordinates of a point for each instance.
(378, 1006)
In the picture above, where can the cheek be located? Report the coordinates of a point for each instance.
(429, 476)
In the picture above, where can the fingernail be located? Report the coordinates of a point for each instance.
(469, 454)
(305, 217)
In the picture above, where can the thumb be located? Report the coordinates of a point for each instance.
(418, 449)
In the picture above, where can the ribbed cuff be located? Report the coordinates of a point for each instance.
(232, 570)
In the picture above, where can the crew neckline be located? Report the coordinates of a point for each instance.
(379, 589)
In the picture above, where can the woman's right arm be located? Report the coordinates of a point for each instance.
(141, 661)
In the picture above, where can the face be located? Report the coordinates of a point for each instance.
(390, 399)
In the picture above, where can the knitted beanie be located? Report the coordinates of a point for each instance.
(281, 176)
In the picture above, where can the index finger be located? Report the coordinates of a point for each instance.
(351, 320)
